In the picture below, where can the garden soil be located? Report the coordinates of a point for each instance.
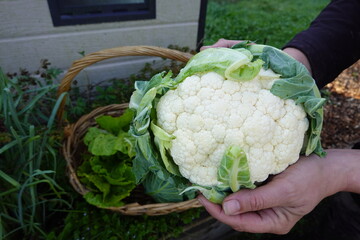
(342, 110)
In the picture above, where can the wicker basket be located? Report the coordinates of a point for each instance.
(75, 132)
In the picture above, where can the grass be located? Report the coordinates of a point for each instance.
(272, 22)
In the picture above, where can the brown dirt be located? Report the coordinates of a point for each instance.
(342, 111)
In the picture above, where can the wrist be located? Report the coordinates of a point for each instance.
(353, 160)
(342, 167)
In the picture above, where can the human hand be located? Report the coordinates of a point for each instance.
(222, 43)
(276, 206)
(299, 56)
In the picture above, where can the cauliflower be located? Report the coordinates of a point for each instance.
(231, 118)
(218, 113)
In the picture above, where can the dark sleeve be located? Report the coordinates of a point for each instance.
(332, 42)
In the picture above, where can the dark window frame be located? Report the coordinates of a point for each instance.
(64, 15)
(201, 26)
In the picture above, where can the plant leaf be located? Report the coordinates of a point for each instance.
(224, 61)
(103, 143)
(297, 84)
(161, 190)
(163, 141)
(109, 179)
(115, 124)
(234, 169)
(212, 194)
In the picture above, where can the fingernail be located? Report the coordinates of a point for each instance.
(231, 207)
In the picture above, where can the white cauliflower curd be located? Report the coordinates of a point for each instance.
(207, 114)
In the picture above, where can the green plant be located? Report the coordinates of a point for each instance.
(29, 159)
(87, 222)
(106, 170)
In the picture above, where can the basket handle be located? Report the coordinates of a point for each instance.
(98, 56)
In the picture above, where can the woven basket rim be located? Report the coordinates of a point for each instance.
(74, 132)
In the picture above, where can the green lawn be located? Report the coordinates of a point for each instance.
(271, 22)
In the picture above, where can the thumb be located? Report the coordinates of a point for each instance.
(266, 196)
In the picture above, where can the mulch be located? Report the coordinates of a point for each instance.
(342, 110)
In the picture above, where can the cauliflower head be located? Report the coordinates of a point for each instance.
(228, 120)
(207, 114)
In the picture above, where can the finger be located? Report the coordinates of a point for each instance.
(235, 221)
(272, 220)
(270, 195)
(264, 221)
(217, 212)
(221, 43)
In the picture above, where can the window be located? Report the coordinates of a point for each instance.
(71, 12)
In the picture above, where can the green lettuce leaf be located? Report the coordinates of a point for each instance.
(103, 143)
(115, 124)
(111, 135)
(108, 179)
